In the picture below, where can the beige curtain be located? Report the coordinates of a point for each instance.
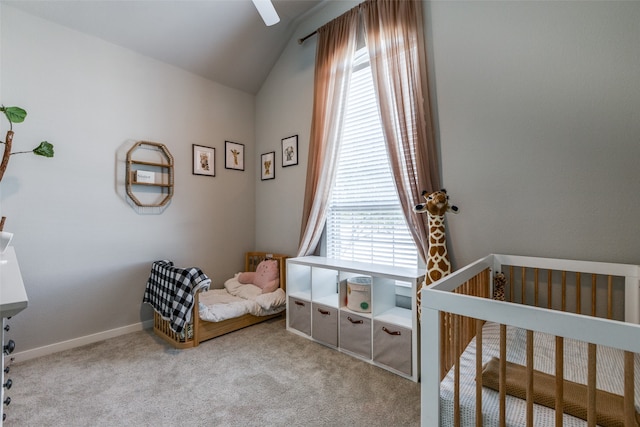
(395, 40)
(334, 60)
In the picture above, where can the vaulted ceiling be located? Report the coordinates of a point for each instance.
(223, 40)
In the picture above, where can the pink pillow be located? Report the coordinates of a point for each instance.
(265, 277)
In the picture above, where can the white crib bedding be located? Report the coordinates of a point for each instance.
(237, 299)
(610, 377)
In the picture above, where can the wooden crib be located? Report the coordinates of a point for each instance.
(198, 330)
(562, 349)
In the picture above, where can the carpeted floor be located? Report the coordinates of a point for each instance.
(258, 376)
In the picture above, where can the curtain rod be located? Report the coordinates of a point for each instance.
(300, 41)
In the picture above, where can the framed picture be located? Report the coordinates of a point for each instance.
(290, 151)
(233, 155)
(204, 160)
(268, 166)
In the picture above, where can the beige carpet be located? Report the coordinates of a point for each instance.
(259, 376)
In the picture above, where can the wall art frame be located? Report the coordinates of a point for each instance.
(268, 166)
(233, 155)
(204, 160)
(290, 151)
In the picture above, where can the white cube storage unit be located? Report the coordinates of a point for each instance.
(317, 308)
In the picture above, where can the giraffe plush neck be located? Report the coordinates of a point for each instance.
(438, 264)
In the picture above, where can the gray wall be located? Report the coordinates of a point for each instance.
(539, 108)
(84, 253)
(538, 105)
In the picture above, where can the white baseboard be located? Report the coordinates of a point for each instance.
(77, 342)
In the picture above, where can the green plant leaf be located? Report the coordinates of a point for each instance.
(44, 149)
(14, 114)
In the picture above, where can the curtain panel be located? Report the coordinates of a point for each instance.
(395, 40)
(334, 64)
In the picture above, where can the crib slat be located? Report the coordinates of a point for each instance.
(559, 380)
(479, 373)
(578, 294)
(609, 297)
(564, 291)
(502, 376)
(456, 382)
(591, 385)
(511, 288)
(536, 291)
(529, 378)
(629, 391)
(523, 291)
(593, 294)
(549, 293)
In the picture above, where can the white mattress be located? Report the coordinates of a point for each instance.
(610, 377)
(237, 299)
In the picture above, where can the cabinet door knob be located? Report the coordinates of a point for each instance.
(8, 384)
(7, 401)
(6, 327)
(355, 322)
(325, 312)
(6, 369)
(299, 303)
(9, 347)
(384, 328)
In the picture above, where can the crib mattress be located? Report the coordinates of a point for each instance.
(610, 377)
(237, 299)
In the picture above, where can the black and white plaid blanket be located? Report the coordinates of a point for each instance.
(171, 292)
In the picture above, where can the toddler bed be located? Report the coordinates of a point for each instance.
(215, 312)
(562, 349)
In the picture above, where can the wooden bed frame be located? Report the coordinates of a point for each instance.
(564, 298)
(199, 330)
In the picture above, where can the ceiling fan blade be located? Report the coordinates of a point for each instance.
(267, 12)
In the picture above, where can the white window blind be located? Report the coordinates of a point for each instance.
(365, 220)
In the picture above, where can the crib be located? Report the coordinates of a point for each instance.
(198, 331)
(562, 349)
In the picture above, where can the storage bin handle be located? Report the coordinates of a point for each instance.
(299, 303)
(323, 311)
(355, 322)
(384, 328)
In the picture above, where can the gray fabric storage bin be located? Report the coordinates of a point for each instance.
(355, 334)
(300, 315)
(325, 324)
(392, 346)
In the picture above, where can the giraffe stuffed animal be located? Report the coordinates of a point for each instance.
(438, 264)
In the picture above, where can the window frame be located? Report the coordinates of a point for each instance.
(361, 61)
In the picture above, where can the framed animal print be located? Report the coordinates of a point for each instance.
(290, 151)
(233, 155)
(268, 166)
(204, 160)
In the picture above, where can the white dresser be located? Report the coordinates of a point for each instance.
(13, 299)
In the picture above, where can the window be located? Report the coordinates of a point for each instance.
(365, 221)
